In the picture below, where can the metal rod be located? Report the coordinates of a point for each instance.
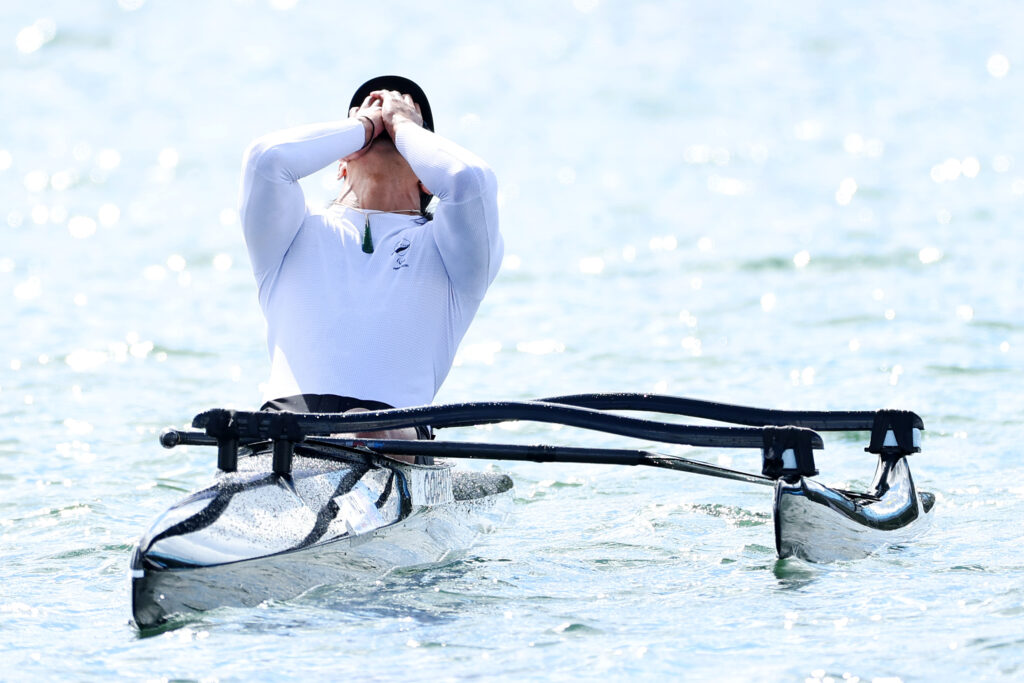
(554, 454)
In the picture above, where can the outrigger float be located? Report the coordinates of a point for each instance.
(293, 507)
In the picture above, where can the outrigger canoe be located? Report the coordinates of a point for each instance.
(294, 507)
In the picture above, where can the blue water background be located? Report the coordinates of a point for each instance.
(790, 204)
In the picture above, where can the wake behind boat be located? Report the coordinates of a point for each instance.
(293, 507)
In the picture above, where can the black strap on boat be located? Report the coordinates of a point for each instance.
(818, 420)
(787, 453)
(256, 426)
(901, 423)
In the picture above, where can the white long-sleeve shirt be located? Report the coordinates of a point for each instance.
(383, 326)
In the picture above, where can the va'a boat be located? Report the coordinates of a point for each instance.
(341, 513)
(293, 508)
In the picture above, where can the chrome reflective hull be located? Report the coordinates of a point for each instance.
(253, 536)
(819, 524)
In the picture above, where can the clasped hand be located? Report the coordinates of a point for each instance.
(386, 109)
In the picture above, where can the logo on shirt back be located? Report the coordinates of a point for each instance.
(400, 254)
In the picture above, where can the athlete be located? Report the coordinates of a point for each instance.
(366, 301)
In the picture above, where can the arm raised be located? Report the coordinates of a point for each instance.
(272, 205)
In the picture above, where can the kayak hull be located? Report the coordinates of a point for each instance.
(254, 536)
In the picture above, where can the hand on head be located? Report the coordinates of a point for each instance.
(396, 108)
(370, 109)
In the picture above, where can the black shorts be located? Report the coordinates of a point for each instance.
(331, 403)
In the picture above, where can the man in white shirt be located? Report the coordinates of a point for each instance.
(367, 300)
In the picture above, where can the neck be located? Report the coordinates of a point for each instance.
(380, 194)
(380, 198)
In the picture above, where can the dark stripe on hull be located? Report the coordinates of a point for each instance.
(329, 511)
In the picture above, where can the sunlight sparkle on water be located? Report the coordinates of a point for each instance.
(592, 265)
(108, 159)
(666, 243)
(33, 37)
(29, 289)
(83, 360)
(109, 214)
(847, 188)
(857, 145)
(168, 158)
(62, 180)
(480, 354)
(970, 167)
(930, 255)
(81, 227)
(808, 130)
(154, 273)
(727, 186)
(540, 347)
(228, 217)
(998, 66)
(802, 258)
(36, 181)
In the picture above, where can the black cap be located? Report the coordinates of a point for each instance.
(402, 85)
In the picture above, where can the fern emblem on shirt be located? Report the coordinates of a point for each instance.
(400, 254)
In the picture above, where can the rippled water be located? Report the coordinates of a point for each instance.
(789, 205)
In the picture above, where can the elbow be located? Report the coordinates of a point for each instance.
(265, 158)
(474, 180)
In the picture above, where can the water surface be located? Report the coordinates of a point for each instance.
(788, 205)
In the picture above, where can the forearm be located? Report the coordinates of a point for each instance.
(293, 153)
(465, 227)
(452, 173)
(271, 205)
